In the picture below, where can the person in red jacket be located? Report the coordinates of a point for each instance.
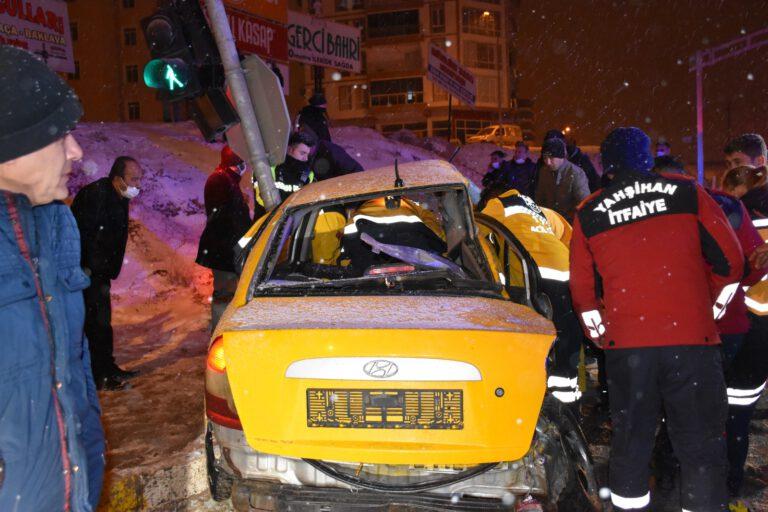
(653, 265)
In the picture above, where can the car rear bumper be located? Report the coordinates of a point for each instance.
(295, 479)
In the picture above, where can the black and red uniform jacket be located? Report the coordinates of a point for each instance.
(651, 253)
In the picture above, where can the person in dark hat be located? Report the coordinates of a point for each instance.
(560, 184)
(315, 117)
(577, 157)
(228, 218)
(654, 263)
(51, 439)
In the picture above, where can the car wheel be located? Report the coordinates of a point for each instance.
(580, 493)
(219, 482)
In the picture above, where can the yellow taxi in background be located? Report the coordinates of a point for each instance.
(378, 356)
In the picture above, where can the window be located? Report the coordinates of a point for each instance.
(478, 21)
(361, 96)
(129, 37)
(348, 5)
(396, 23)
(438, 93)
(127, 4)
(441, 129)
(132, 73)
(134, 111)
(76, 74)
(479, 55)
(397, 92)
(487, 90)
(437, 18)
(345, 97)
(73, 31)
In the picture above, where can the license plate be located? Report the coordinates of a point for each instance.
(428, 409)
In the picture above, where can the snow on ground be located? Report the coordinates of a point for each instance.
(161, 307)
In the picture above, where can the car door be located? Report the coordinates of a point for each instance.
(516, 270)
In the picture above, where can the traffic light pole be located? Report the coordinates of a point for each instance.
(236, 81)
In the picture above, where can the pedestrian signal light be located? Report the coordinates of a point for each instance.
(166, 74)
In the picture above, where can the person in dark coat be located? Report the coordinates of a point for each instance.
(578, 158)
(495, 168)
(51, 439)
(331, 160)
(315, 117)
(518, 172)
(101, 211)
(295, 171)
(228, 218)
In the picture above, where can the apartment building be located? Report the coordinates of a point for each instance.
(392, 91)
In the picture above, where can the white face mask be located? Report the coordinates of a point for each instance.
(496, 165)
(129, 192)
(520, 160)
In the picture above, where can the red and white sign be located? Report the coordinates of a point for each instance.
(449, 74)
(40, 26)
(256, 35)
(276, 10)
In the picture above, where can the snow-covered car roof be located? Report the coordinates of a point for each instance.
(420, 174)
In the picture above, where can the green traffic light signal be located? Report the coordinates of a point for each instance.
(167, 74)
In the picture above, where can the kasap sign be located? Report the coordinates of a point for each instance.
(323, 43)
(40, 26)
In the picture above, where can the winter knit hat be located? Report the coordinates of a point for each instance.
(554, 134)
(554, 148)
(626, 149)
(229, 158)
(36, 106)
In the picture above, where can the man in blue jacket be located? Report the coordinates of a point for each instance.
(51, 440)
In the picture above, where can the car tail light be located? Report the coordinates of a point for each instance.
(216, 360)
(219, 404)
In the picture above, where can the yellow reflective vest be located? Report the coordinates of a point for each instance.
(529, 224)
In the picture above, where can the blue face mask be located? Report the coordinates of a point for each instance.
(496, 165)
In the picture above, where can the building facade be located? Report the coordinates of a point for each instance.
(392, 91)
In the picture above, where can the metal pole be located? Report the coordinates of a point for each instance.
(700, 117)
(237, 85)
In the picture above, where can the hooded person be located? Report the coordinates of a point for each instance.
(51, 439)
(228, 218)
(655, 317)
(560, 184)
(101, 211)
(315, 117)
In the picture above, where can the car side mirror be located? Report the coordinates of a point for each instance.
(542, 304)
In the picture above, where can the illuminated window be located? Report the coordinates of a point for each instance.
(129, 37)
(479, 21)
(397, 92)
(134, 111)
(479, 55)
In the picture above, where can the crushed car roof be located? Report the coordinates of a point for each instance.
(424, 173)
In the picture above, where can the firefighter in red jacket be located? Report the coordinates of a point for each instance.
(653, 264)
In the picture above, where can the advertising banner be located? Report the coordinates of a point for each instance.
(449, 74)
(323, 43)
(40, 26)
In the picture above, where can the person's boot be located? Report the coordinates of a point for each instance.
(124, 374)
(110, 383)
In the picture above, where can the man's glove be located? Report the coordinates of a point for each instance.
(594, 324)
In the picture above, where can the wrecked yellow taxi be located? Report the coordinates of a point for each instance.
(379, 355)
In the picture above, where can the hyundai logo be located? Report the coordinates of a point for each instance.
(380, 368)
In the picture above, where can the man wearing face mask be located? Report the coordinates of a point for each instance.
(495, 168)
(101, 211)
(228, 220)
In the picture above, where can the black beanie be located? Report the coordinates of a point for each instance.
(36, 106)
(554, 148)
